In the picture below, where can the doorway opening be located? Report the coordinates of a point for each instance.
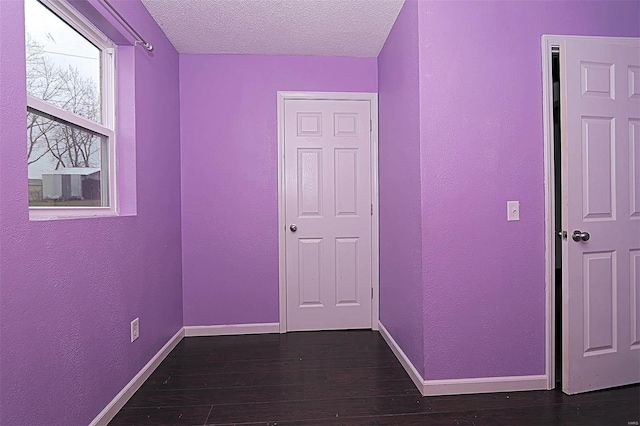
(557, 187)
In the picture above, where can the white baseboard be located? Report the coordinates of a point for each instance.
(229, 330)
(109, 412)
(484, 385)
(402, 357)
(463, 386)
(127, 392)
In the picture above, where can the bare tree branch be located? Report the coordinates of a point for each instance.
(68, 89)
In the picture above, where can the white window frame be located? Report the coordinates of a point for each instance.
(108, 108)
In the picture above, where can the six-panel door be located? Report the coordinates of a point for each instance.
(601, 321)
(328, 214)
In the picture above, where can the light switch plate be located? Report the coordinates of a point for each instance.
(135, 329)
(513, 210)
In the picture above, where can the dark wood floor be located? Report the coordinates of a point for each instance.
(337, 378)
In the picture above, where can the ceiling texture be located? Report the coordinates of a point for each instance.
(276, 27)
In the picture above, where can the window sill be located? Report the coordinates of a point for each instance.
(62, 213)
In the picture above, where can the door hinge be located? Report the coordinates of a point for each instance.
(370, 125)
(372, 292)
(371, 209)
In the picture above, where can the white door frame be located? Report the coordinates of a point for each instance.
(375, 235)
(549, 42)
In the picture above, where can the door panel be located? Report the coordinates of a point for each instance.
(346, 171)
(327, 171)
(597, 79)
(310, 272)
(600, 300)
(635, 299)
(598, 155)
(347, 271)
(309, 182)
(634, 82)
(634, 167)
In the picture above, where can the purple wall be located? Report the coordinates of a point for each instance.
(482, 144)
(69, 288)
(401, 310)
(460, 134)
(229, 175)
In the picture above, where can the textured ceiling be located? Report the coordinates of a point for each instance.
(276, 27)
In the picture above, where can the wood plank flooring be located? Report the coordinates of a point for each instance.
(337, 378)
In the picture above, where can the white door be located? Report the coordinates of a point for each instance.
(601, 197)
(327, 166)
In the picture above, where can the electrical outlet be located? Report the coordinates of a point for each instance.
(135, 329)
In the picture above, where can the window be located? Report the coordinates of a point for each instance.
(70, 113)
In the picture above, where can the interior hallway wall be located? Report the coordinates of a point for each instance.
(70, 288)
(481, 145)
(401, 290)
(229, 175)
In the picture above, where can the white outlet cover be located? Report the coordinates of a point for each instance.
(513, 210)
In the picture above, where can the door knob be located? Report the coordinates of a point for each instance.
(580, 236)
(293, 228)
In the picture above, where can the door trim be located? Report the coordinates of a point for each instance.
(549, 42)
(372, 98)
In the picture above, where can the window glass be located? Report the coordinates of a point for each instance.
(63, 67)
(66, 164)
(70, 113)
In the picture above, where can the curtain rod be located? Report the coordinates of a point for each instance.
(141, 40)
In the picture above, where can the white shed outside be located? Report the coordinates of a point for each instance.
(66, 183)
